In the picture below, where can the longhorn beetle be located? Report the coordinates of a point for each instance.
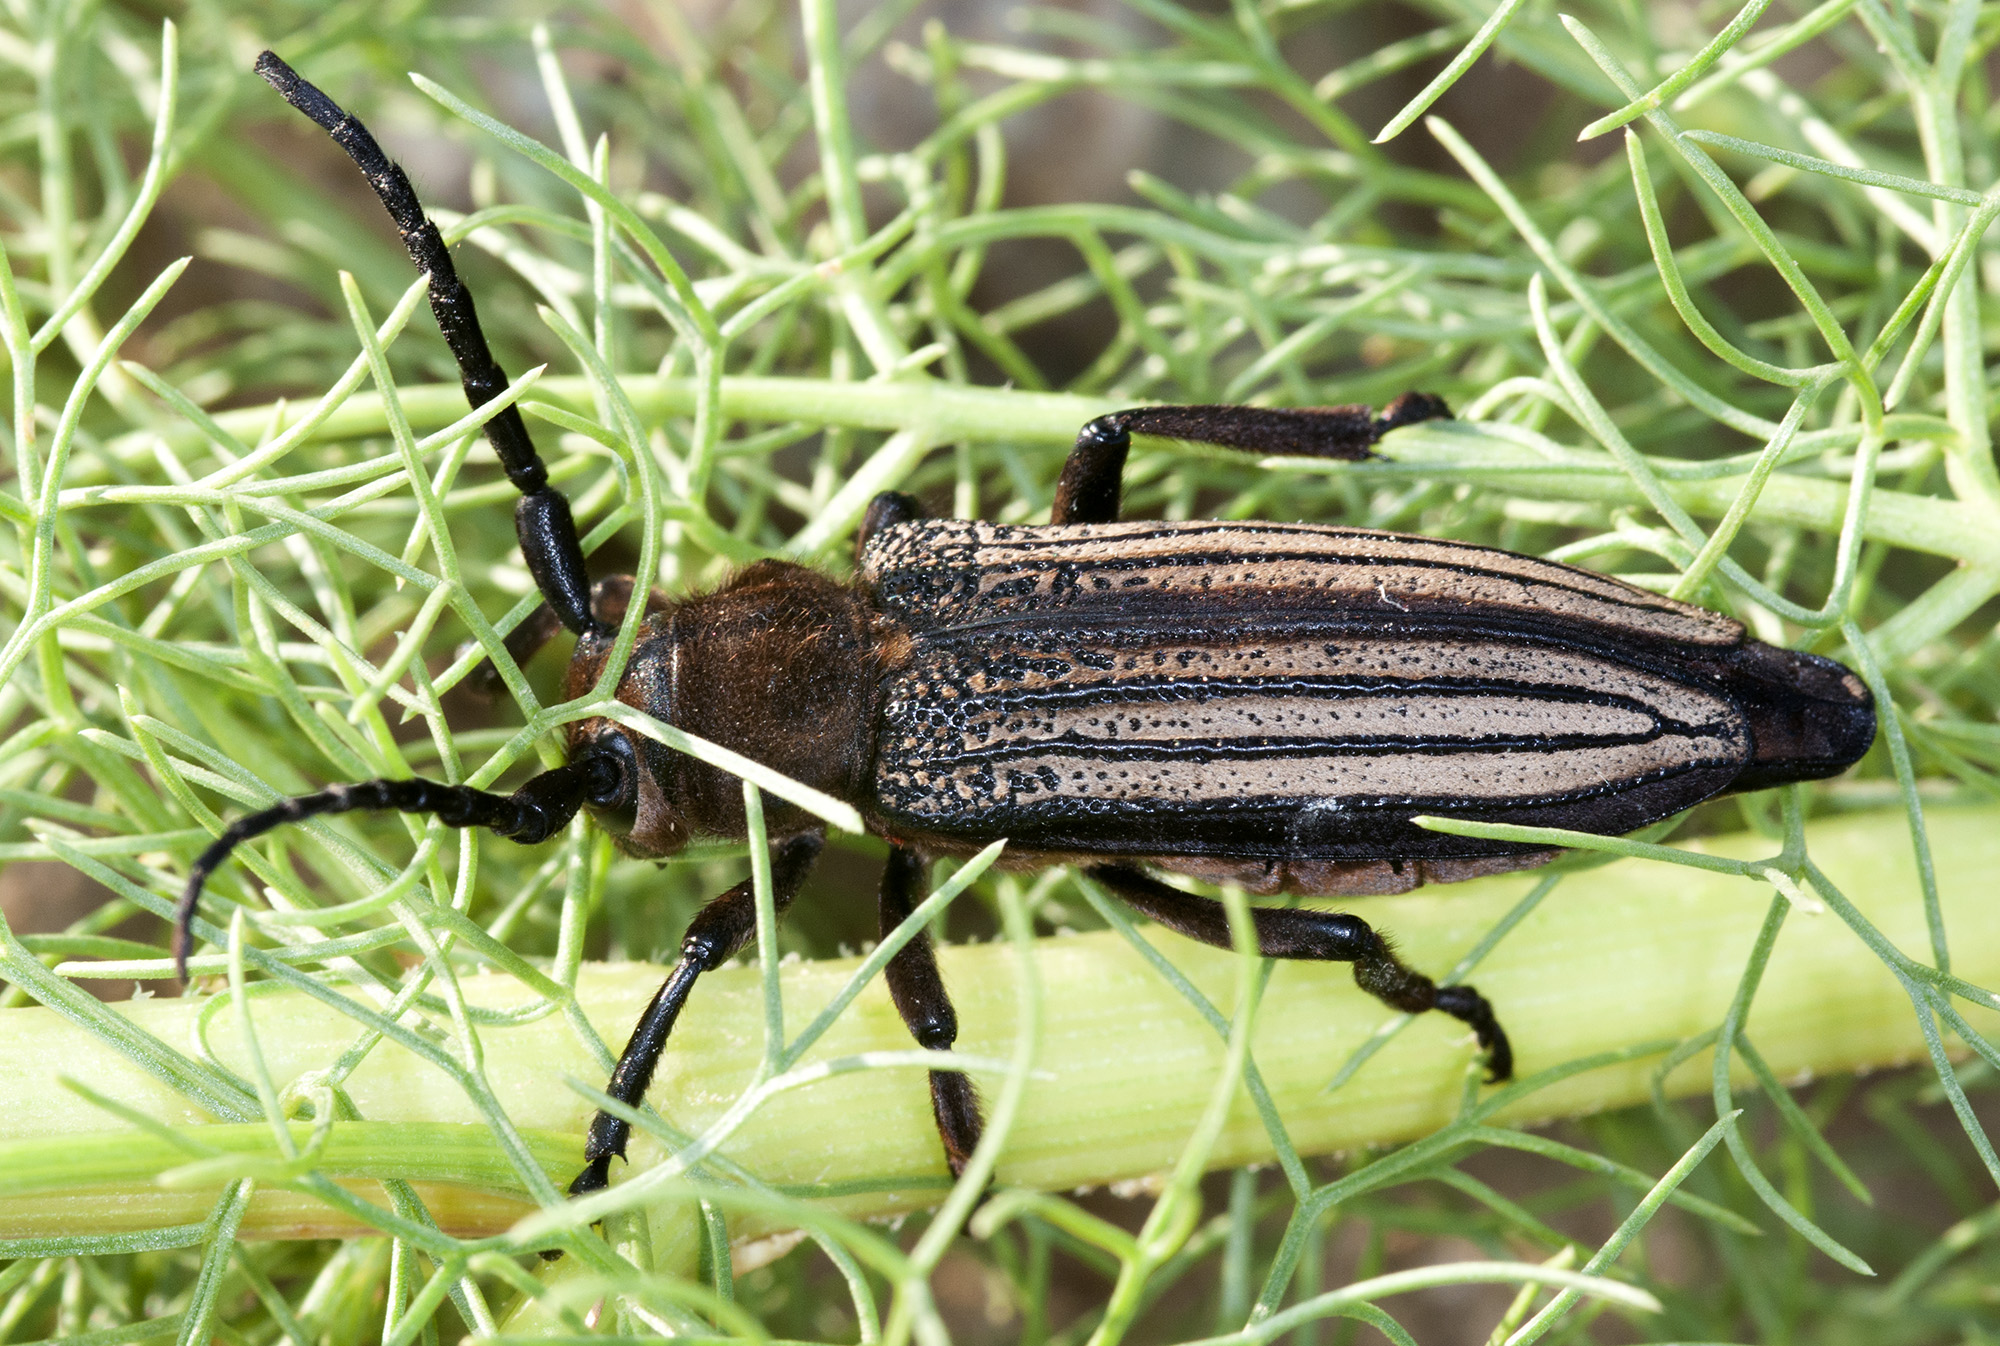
(1259, 703)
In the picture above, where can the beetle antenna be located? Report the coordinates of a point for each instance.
(538, 810)
(549, 542)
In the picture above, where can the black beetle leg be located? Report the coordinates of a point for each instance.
(890, 507)
(918, 990)
(609, 598)
(1088, 490)
(717, 931)
(1323, 936)
(523, 643)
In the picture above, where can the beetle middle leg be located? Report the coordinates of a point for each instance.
(717, 931)
(884, 511)
(1089, 488)
(1323, 936)
(919, 994)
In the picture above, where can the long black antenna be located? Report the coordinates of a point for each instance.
(549, 544)
(542, 521)
(535, 812)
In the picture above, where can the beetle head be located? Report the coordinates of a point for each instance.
(641, 812)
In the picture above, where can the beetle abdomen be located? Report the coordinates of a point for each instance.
(1266, 694)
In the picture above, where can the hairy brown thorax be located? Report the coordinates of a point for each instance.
(780, 664)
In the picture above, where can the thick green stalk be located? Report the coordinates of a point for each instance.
(1629, 953)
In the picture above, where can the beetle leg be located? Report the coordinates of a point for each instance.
(537, 629)
(717, 931)
(918, 990)
(890, 507)
(609, 598)
(1323, 936)
(1088, 490)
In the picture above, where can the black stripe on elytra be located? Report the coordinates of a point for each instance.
(1072, 536)
(1033, 541)
(1249, 613)
(1073, 634)
(1120, 751)
(1285, 827)
(1168, 688)
(1215, 561)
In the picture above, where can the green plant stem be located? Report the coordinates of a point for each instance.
(943, 413)
(1633, 952)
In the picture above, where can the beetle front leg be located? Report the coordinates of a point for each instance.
(1089, 488)
(717, 931)
(1322, 936)
(918, 990)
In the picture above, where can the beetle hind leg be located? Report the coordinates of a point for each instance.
(1320, 936)
(918, 990)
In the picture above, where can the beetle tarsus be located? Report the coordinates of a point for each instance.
(1471, 1008)
(596, 1176)
(955, 1107)
(1410, 408)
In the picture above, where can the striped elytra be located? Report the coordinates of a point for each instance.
(1272, 703)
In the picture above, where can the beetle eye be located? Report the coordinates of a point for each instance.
(614, 782)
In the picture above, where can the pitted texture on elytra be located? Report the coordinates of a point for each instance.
(951, 572)
(1060, 722)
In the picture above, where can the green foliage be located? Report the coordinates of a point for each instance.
(250, 550)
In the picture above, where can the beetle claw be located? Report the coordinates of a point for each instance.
(596, 1176)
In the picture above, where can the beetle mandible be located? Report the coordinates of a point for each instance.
(1259, 703)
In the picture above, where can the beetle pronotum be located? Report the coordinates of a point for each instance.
(1259, 703)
